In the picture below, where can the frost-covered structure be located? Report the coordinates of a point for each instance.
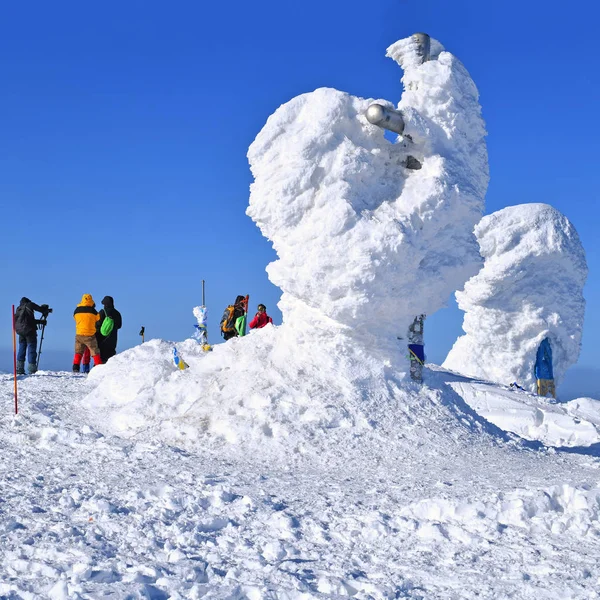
(530, 288)
(361, 239)
(364, 245)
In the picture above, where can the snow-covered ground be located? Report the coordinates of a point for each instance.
(417, 497)
(300, 461)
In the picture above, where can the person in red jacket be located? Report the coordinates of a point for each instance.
(261, 318)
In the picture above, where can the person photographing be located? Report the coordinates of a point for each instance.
(26, 328)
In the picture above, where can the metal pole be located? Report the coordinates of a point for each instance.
(37, 363)
(423, 42)
(204, 335)
(15, 358)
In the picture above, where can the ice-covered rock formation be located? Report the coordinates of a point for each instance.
(360, 238)
(529, 289)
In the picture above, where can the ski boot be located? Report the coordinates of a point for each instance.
(31, 368)
(20, 367)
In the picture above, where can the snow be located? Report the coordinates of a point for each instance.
(530, 288)
(420, 498)
(299, 461)
(571, 424)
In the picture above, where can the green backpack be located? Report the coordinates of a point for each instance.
(107, 325)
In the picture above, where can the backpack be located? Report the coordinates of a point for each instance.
(228, 320)
(107, 325)
(24, 320)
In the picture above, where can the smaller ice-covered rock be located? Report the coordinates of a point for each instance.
(530, 288)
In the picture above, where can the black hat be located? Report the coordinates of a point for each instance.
(108, 301)
(25, 300)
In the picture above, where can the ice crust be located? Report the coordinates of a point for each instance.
(530, 288)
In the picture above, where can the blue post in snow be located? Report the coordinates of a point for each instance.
(543, 369)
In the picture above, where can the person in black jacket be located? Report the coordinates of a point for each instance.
(26, 328)
(108, 344)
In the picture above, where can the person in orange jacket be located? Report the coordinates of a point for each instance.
(85, 316)
(85, 361)
(261, 318)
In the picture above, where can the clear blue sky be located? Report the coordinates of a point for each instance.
(125, 127)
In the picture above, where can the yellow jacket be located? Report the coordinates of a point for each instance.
(85, 316)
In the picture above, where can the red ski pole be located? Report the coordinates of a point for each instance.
(15, 358)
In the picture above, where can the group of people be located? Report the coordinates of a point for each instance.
(92, 340)
(98, 343)
(233, 322)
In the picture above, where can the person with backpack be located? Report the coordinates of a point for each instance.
(86, 316)
(26, 328)
(106, 328)
(233, 323)
(261, 318)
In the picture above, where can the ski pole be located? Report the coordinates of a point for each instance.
(15, 357)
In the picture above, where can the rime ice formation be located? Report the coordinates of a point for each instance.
(360, 238)
(530, 288)
(363, 245)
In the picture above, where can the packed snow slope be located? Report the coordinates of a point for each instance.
(530, 288)
(363, 241)
(416, 497)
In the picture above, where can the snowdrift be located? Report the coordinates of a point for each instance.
(251, 389)
(140, 394)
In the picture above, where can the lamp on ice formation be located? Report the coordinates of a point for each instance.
(386, 118)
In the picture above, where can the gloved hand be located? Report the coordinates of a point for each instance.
(41, 323)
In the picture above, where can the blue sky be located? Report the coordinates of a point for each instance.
(125, 127)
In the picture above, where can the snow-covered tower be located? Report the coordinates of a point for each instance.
(530, 288)
(370, 233)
